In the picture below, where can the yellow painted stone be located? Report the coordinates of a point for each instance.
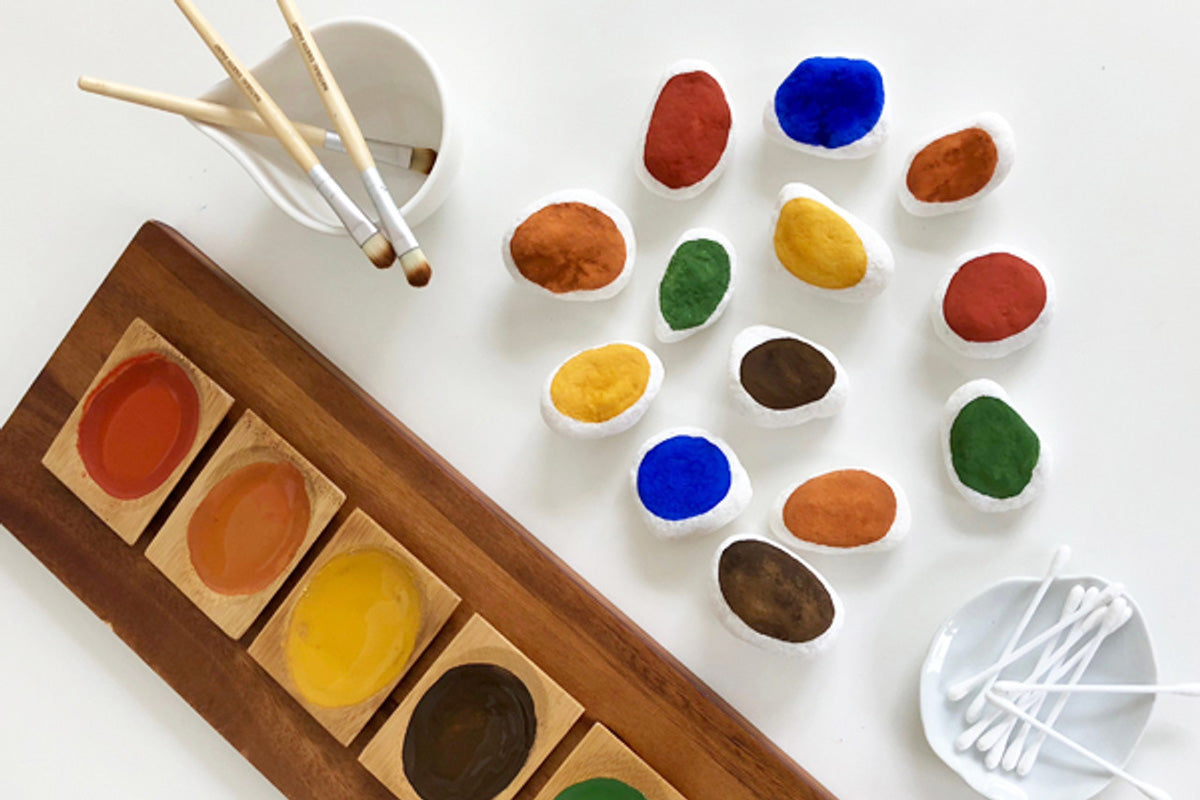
(818, 246)
(599, 384)
(353, 628)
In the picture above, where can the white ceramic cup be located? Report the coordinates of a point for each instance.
(396, 93)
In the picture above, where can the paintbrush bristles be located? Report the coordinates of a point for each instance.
(379, 250)
(423, 159)
(416, 267)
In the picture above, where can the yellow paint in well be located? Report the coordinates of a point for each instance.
(599, 384)
(353, 628)
(818, 246)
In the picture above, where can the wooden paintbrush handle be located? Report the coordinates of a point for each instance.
(240, 119)
(331, 94)
(270, 112)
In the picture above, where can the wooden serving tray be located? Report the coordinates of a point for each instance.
(623, 678)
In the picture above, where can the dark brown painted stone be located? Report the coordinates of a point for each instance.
(773, 592)
(470, 734)
(786, 373)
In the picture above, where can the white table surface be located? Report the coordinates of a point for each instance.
(551, 95)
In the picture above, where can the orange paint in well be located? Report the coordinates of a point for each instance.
(248, 527)
(845, 508)
(137, 425)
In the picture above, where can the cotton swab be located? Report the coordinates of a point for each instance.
(416, 159)
(960, 690)
(971, 735)
(1118, 615)
(1147, 789)
(1186, 689)
(412, 260)
(1012, 750)
(975, 710)
(361, 229)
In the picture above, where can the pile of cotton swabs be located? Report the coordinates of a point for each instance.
(1003, 718)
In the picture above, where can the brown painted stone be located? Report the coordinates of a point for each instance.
(786, 373)
(773, 592)
(953, 167)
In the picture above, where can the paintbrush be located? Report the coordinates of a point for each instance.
(361, 229)
(416, 159)
(412, 260)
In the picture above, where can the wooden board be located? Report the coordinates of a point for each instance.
(128, 518)
(622, 677)
(477, 643)
(250, 442)
(357, 533)
(602, 755)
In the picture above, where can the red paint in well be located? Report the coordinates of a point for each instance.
(137, 425)
(688, 131)
(993, 297)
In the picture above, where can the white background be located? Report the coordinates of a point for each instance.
(1101, 96)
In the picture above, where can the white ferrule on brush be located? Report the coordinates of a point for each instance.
(394, 226)
(398, 155)
(361, 229)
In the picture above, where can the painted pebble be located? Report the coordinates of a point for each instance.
(601, 391)
(779, 378)
(687, 482)
(956, 169)
(994, 303)
(573, 245)
(831, 251)
(830, 106)
(697, 285)
(771, 597)
(688, 132)
(993, 457)
(843, 511)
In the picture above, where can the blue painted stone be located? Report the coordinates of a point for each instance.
(830, 102)
(683, 477)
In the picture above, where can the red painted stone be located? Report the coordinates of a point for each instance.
(993, 297)
(688, 130)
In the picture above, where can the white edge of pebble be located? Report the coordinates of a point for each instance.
(733, 504)
(663, 331)
(897, 533)
(833, 401)
(597, 201)
(684, 192)
(862, 147)
(1002, 347)
(880, 263)
(1006, 153)
(741, 630)
(958, 400)
(577, 429)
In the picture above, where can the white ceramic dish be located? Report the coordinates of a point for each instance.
(397, 94)
(1108, 725)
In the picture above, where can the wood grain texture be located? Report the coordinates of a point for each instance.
(623, 678)
(477, 643)
(128, 518)
(359, 532)
(602, 755)
(250, 442)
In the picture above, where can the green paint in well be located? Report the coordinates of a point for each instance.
(992, 449)
(600, 789)
(696, 279)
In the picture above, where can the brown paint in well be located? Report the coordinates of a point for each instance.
(786, 373)
(845, 508)
(773, 592)
(953, 167)
(248, 527)
(568, 247)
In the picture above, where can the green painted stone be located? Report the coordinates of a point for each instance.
(992, 449)
(695, 281)
(600, 789)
